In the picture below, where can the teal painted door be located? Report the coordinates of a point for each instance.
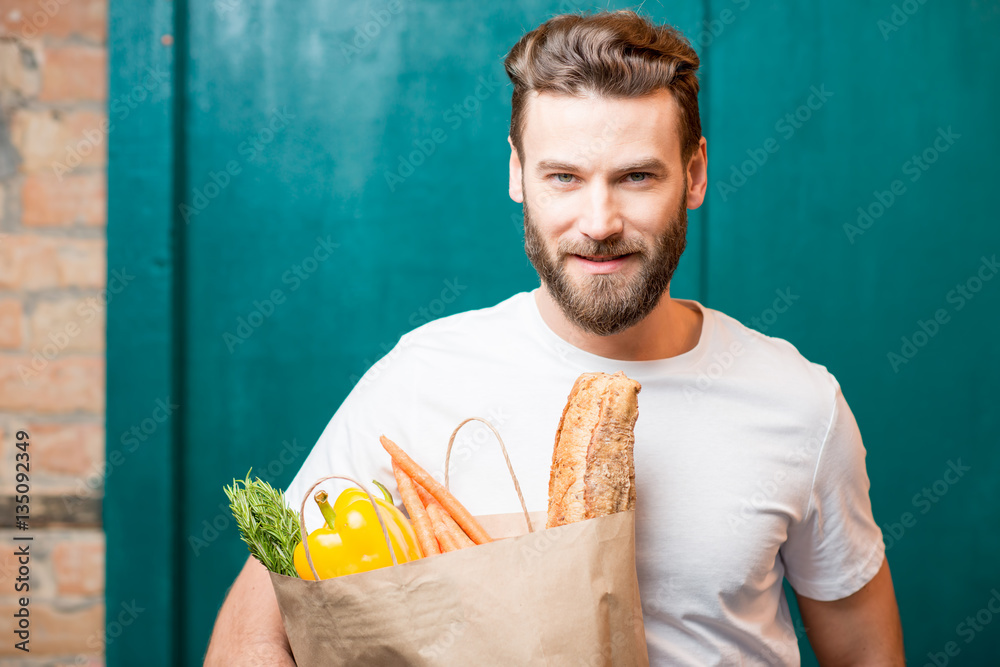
(876, 214)
(312, 181)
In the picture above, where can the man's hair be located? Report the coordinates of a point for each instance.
(612, 54)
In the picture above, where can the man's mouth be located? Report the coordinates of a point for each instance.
(602, 263)
(603, 258)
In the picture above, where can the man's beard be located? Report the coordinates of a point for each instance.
(607, 303)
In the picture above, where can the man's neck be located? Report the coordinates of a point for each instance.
(669, 330)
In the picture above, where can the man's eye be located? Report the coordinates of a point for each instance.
(568, 178)
(645, 175)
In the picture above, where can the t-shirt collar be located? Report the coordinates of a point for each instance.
(635, 369)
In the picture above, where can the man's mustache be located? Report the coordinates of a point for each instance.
(603, 249)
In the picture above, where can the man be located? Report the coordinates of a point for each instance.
(749, 463)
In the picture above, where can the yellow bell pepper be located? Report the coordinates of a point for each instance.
(351, 540)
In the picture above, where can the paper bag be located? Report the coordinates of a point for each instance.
(565, 596)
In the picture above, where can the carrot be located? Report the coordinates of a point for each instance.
(435, 509)
(418, 513)
(424, 496)
(436, 489)
(449, 541)
(456, 530)
(437, 517)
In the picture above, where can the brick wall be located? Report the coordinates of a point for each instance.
(53, 93)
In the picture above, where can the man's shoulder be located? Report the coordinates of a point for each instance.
(443, 343)
(506, 314)
(777, 361)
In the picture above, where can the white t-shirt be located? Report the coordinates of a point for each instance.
(749, 464)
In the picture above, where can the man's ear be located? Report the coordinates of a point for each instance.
(514, 187)
(697, 175)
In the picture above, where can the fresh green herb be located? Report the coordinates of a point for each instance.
(268, 526)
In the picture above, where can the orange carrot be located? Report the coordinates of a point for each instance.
(418, 513)
(435, 509)
(424, 496)
(449, 542)
(441, 531)
(456, 530)
(436, 489)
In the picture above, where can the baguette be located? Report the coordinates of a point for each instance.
(593, 470)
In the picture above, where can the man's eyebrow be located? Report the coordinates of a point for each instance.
(641, 164)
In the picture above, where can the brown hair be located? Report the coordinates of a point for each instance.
(612, 54)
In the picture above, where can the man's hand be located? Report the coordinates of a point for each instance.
(249, 631)
(861, 629)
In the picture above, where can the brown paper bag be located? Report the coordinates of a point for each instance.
(562, 596)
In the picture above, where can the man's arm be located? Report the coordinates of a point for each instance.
(859, 630)
(249, 631)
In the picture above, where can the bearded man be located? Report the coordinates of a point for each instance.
(745, 478)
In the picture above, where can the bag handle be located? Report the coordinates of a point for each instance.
(517, 487)
(302, 519)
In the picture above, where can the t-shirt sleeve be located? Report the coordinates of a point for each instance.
(837, 547)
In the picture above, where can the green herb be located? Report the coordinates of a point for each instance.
(268, 526)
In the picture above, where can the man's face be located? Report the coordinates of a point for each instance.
(605, 203)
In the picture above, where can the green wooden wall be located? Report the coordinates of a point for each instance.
(311, 180)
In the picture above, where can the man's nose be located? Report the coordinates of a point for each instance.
(603, 218)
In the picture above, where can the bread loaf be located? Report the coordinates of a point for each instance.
(593, 470)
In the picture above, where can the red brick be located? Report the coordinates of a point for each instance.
(60, 142)
(65, 384)
(93, 660)
(59, 628)
(28, 19)
(79, 566)
(38, 262)
(17, 77)
(77, 199)
(11, 323)
(72, 324)
(74, 73)
(67, 449)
